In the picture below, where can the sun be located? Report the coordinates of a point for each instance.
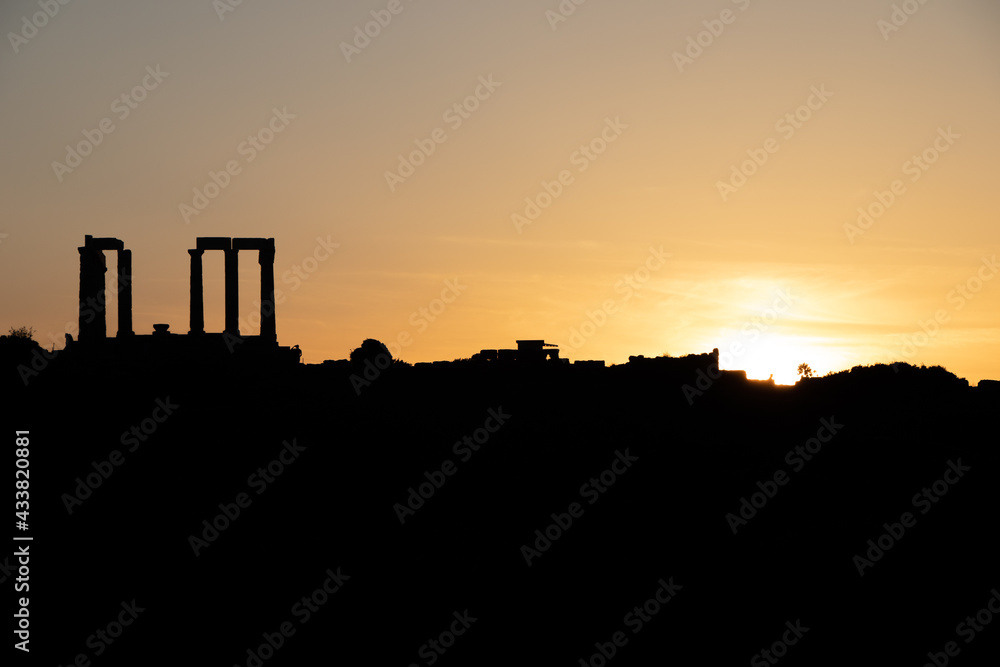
(773, 355)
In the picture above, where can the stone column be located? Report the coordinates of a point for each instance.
(92, 322)
(124, 293)
(268, 330)
(197, 293)
(100, 287)
(232, 292)
(85, 330)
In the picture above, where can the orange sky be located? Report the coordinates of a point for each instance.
(714, 155)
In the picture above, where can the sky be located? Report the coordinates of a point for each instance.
(789, 182)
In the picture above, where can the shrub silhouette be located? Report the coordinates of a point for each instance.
(369, 350)
(24, 333)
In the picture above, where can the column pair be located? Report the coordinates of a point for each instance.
(267, 305)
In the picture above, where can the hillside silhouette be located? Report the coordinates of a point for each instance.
(506, 508)
(338, 505)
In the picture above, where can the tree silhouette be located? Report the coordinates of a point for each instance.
(805, 371)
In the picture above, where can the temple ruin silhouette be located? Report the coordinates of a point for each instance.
(199, 344)
(93, 336)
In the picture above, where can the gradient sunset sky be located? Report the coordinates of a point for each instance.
(698, 169)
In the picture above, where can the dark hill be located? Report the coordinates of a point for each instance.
(672, 470)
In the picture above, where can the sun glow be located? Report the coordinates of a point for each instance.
(776, 357)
